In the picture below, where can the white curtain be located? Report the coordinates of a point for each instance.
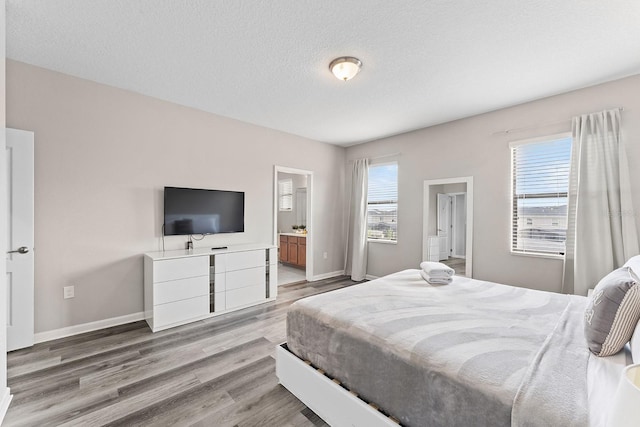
(356, 259)
(601, 232)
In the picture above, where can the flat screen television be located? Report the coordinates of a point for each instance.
(199, 211)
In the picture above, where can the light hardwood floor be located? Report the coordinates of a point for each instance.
(216, 372)
(288, 274)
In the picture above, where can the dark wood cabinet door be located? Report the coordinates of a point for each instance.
(293, 253)
(302, 253)
(284, 249)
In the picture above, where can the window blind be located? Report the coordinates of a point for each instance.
(540, 185)
(382, 202)
(285, 191)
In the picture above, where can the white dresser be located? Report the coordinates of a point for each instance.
(184, 286)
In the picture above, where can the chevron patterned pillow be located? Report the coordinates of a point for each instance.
(612, 312)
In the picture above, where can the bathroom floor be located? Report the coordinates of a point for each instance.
(288, 274)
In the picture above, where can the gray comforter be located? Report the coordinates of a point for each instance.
(471, 353)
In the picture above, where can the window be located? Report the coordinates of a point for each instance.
(285, 195)
(540, 184)
(382, 202)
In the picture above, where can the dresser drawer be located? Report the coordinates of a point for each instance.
(244, 278)
(180, 311)
(176, 290)
(220, 261)
(220, 301)
(248, 259)
(245, 296)
(220, 280)
(180, 268)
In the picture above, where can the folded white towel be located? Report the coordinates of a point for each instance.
(436, 280)
(436, 269)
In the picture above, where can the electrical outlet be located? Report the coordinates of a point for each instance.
(69, 292)
(324, 255)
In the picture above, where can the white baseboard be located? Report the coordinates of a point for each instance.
(87, 327)
(371, 277)
(4, 403)
(327, 275)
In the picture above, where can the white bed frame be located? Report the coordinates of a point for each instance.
(336, 405)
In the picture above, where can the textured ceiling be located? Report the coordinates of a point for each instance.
(266, 62)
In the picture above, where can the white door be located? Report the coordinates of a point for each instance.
(444, 225)
(20, 329)
(459, 225)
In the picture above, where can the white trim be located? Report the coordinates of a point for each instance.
(330, 401)
(425, 218)
(547, 138)
(371, 277)
(537, 255)
(386, 242)
(276, 169)
(327, 275)
(87, 327)
(4, 403)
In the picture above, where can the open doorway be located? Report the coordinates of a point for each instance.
(292, 224)
(451, 221)
(448, 223)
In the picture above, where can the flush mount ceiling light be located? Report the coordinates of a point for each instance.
(345, 68)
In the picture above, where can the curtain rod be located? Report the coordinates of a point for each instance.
(557, 122)
(384, 156)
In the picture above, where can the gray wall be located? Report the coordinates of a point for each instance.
(476, 147)
(104, 154)
(102, 158)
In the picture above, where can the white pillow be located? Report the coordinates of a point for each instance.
(634, 263)
(635, 344)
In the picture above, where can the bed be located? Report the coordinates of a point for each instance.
(397, 350)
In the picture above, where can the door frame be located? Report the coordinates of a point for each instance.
(426, 220)
(309, 174)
